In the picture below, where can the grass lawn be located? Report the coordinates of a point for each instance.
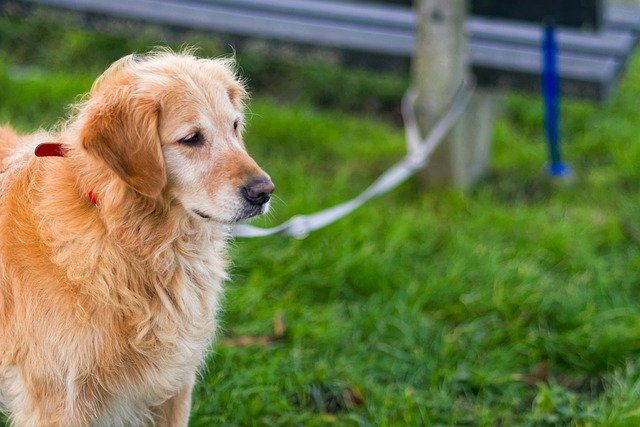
(516, 303)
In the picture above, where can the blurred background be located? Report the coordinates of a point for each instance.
(513, 301)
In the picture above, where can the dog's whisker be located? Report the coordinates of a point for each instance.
(277, 199)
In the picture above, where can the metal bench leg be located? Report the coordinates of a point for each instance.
(551, 94)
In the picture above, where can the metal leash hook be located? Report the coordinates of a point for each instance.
(419, 151)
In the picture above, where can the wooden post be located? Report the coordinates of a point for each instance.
(439, 66)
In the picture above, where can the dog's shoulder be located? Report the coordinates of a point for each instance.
(8, 140)
(16, 153)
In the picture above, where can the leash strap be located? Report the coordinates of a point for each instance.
(419, 151)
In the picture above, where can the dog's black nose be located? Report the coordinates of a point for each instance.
(258, 192)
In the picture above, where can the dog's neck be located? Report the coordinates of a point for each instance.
(56, 149)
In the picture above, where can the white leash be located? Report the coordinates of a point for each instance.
(419, 151)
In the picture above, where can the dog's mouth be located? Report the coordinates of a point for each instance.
(252, 211)
(201, 214)
(246, 213)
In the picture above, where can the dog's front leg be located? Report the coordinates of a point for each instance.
(175, 411)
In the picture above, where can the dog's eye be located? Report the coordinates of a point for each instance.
(191, 139)
(235, 124)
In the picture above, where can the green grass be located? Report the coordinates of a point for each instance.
(515, 303)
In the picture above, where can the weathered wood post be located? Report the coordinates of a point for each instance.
(440, 64)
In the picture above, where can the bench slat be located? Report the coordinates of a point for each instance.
(604, 42)
(622, 17)
(582, 76)
(256, 23)
(390, 16)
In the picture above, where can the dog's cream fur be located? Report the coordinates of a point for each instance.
(107, 311)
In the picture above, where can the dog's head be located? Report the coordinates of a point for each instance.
(171, 124)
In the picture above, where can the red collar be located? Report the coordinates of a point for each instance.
(55, 149)
(50, 149)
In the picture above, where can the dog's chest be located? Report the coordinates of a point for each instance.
(168, 337)
(181, 321)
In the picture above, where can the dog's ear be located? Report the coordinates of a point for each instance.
(224, 70)
(237, 94)
(115, 74)
(121, 128)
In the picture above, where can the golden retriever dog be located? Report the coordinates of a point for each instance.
(112, 247)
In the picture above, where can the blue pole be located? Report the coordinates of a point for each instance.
(551, 93)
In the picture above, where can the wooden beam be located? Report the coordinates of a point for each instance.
(438, 69)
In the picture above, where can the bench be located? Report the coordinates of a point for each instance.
(503, 54)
